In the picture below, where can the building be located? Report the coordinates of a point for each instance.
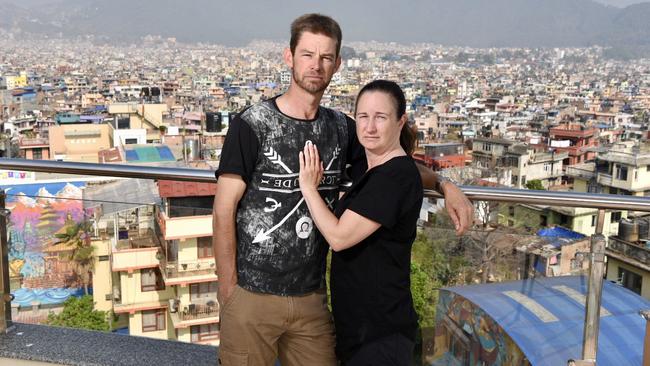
(163, 283)
(80, 142)
(144, 116)
(628, 257)
(188, 267)
(558, 252)
(575, 140)
(579, 219)
(535, 322)
(515, 163)
(623, 168)
(442, 155)
(35, 148)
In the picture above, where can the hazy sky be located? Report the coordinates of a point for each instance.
(620, 3)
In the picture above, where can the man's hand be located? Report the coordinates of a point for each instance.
(459, 208)
(224, 292)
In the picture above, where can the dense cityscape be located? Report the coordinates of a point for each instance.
(555, 119)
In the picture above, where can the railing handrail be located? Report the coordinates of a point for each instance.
(475, 193)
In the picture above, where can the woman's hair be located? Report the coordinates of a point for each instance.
(407, 135)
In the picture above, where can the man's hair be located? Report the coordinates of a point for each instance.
(317, 24)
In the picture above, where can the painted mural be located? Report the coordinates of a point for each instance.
(465, 335)
(41, 217)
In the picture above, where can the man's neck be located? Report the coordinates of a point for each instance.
(298, 103)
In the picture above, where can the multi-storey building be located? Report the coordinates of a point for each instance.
(576, 140)
(163, 282)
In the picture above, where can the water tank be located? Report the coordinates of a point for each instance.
(192, 149)
(213, 122)
(644, 226)
(628, 230)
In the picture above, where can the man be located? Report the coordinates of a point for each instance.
(270, 258)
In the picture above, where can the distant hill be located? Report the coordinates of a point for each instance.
(476, 23)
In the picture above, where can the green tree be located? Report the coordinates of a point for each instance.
(78, 312)
(76, 236)
(535, 184)
(424, 290)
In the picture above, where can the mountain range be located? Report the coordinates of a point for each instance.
(474, 23)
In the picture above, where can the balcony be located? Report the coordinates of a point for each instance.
(605, 179)
(197, 225)
(584, 171)
(68, 346)
(632, 253)
(140, 250)
(183, 273)
(196, 314)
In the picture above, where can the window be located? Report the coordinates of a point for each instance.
(511, 210)
(613, 190)
(621, 172)
(616, 217)
(593, 220)
(151, 280)
(204, 245)
(153, 320)
(37, 154)
(630, 280)
(205, 332)
(130, 141)
(203, 290)
(123, 123)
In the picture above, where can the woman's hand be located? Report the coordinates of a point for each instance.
(311, 169)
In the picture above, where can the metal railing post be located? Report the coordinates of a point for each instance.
(646, 341)
(5, 300)
(594, 293)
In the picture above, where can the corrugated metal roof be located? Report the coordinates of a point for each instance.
(545, 317)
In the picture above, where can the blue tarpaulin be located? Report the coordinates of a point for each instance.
(553, 342)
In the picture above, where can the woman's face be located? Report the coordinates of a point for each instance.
(378, 127)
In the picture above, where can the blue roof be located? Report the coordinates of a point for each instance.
(553, 341)
(559, 236)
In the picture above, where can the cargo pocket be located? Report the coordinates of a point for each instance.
(229, 358)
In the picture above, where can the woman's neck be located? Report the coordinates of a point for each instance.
(376, 159)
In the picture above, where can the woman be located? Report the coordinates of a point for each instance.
(371, 233)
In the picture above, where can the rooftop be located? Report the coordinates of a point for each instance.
(82, 347)
(545, 317)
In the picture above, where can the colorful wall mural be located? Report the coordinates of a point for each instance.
(466, 335)
(39, 272)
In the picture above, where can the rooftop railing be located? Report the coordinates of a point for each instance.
(154, 294)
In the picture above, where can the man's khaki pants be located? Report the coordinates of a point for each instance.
(256, 329)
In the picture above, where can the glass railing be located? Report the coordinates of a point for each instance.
(149, 271)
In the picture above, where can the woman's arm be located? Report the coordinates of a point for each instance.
(341, 233)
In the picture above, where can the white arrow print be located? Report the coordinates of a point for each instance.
(276, 159)
(261, 236)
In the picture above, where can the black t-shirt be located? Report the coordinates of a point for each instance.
(279, 250)
(370, 282)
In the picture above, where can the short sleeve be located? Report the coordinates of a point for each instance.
(240, 150)
(356, 155)
(382, 199)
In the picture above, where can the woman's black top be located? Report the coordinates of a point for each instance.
(370, 282)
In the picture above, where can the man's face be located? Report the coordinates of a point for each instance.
(313, 62)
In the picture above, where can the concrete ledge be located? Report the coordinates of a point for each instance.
(66, 346)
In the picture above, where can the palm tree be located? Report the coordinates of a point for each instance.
(76, 237)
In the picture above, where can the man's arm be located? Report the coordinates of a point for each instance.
(459, 208)
(230, 189)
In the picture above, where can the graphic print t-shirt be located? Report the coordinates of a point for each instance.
(279, 249)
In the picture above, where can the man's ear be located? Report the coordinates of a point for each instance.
(338, 63)
(287, 56)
